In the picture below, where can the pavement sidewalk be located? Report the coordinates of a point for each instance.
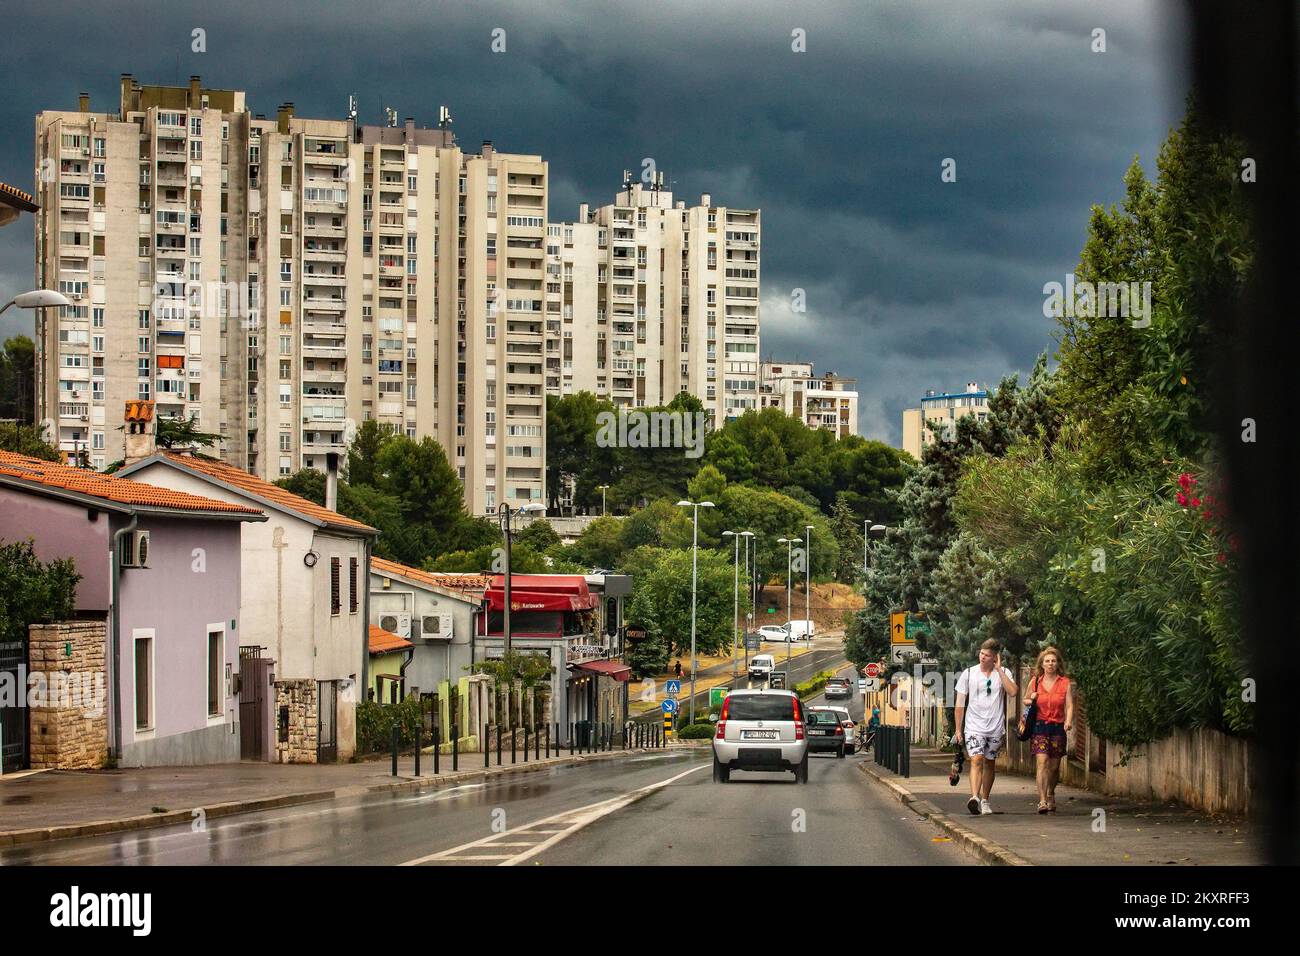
(1016, 834)
(55, 804)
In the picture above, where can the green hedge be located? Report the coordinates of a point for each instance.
(810, 687)
(375, 724)
(696, 731)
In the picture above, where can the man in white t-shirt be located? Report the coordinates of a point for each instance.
(981, 715)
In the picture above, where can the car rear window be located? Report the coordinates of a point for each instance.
(822, 717)
(760, 707)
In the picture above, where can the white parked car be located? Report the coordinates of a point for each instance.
(773, 632)
(802, 630)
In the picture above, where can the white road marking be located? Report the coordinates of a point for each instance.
(558, 827)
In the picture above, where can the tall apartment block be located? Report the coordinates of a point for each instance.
(646, 298)
(941, 409)
(825, 401)
(283, 280)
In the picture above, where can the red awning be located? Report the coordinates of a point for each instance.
(542, 592)
(620, 672)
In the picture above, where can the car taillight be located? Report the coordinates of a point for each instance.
(839, 731)
(722, 729)
(726, 706)
(798, 730)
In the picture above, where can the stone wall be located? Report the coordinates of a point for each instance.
(73, 733)
(297, 742)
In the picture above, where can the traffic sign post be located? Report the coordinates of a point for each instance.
(669, 706)
(673, 687)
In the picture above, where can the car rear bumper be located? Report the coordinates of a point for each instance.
(820, 744)
(760, 755)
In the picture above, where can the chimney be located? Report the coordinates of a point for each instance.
(196, 91)
(706, 200)
(584, 212)
(282, 117)
(487, 148)
(125, 104)
(83, 103)
(332, 481)
(140, 439)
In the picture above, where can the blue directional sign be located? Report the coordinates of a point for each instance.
(674, 687)
(669, 706)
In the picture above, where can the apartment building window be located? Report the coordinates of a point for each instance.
(196, 149)
(99, 146)
(286, 441)
(335, 597)
(286, 394)
(97, 318)
(142, 390)
(286, 345)
(97, 441)
(97, 389)
(284, 369)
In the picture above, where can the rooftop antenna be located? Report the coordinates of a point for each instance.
(391, 114)
(444, 117)
(352, 107)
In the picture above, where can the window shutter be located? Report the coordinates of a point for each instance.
(352, 577)
(335, 602)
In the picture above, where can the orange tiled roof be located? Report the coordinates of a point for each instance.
(264, 489)
(384, 642)
(454, 582)
(109, 487)
(12, 196)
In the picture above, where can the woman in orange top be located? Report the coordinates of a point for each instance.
(1054, 693)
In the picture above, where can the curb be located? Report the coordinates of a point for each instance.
(981, 847)
(11, 838)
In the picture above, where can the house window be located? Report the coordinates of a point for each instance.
(144, 681)
(216, 662)
(352, 585)
(335, 601)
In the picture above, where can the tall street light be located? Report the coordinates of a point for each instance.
(807, 578)
(602, 489)
(504, 515)
(695, 550)
(747, 535)
(789, 633)
(36, 299)
(735, 601)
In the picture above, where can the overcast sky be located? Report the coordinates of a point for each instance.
(910, 282)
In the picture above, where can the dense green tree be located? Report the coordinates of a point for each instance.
(661, 601)
(539, 536)
(26, 440)
(33, 591)
(17, 379)
(363, 452)
(848, 537)
(176, 432)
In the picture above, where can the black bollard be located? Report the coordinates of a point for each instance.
(548, 741)
(487, 751)
(455, 748)
(498, 745)
(396, 738)
(525, 743)
(437, 747)
(418, 730)
(537, 744)
(570, 739)
(514, 755)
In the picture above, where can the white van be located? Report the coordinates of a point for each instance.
(760, 666)
(801, 630)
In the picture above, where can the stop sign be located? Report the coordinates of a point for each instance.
(873, 670)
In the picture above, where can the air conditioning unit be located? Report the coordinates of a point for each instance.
(85, 151)
(135, 550)
(437, 627)
(399, 624)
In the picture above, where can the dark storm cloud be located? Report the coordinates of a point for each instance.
(911, 283)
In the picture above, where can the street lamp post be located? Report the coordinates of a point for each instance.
(735, 601)
(695, 550)
(747, 535)
(504, 515)
(602, 489)
(39, 299)
(807, 578)
(789, 634)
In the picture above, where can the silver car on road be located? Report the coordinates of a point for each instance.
(760, 730)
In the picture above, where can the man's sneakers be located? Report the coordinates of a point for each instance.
(973, 805)
(985, 809)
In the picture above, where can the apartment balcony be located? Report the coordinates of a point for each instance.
(325, 228)
(322, 376)
(329, 256)
(313, 350)
(324, 279)
(323, 447)
(323, 304)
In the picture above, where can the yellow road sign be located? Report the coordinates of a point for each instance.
(898, 629)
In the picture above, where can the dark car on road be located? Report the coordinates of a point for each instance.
(826, 733)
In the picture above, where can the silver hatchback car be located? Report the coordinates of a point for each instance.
(760, 730)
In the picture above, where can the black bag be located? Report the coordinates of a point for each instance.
(1025, 729)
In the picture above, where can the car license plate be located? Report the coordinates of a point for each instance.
(819, 732)
(759, 735)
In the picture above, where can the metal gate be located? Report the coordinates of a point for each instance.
(327, 746)
(254, 686)
(13, 720)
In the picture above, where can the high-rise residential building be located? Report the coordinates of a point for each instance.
(941, 410)
(819, 401)
(283, 280)
(646, 298)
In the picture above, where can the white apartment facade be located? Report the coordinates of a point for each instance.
(284, 280)
(823, 401)
(646, 298)
(941, 410)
